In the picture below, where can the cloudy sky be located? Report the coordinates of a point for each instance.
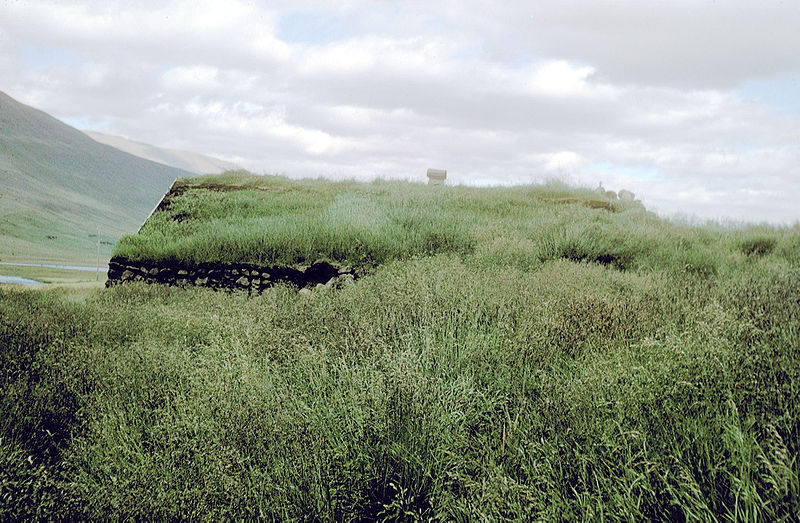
(694, 105)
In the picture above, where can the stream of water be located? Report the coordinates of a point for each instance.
(69, 267)
(19, 281)
(25, 281)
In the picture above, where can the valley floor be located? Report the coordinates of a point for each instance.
(53, 274)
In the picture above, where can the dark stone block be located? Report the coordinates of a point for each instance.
(320, 272)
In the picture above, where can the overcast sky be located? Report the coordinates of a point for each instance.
(693, 105)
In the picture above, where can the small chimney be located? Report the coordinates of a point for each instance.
(436, 176)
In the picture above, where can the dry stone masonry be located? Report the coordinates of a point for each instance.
(230, 276)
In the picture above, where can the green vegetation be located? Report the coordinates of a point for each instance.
(509, 354)
(51, 275)
(269, 220)
(58, 187)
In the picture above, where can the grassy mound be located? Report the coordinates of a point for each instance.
(519, 374)
(273, 220)
(269, 220)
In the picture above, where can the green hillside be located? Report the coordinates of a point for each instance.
(58, 187)
(535, 353)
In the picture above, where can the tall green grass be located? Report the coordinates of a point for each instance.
(273, 220)
(433, 388)
(555, 361)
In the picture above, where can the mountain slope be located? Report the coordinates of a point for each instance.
(58, 187)
(188, 161)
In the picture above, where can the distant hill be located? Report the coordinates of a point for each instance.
(58, 187)
(188, 161)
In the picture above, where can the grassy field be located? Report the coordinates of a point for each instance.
(52, 275)
(530, 353)
(55, 244)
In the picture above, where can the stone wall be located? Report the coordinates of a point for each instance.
(231, 276)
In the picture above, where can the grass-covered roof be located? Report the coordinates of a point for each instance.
(242, 218)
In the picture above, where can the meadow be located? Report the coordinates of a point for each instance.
(53, 275)
(522, 353)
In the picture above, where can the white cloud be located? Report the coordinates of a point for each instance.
(192, 77)
(563, 160)
(685, 43)
(638, 95)
(559, 78)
